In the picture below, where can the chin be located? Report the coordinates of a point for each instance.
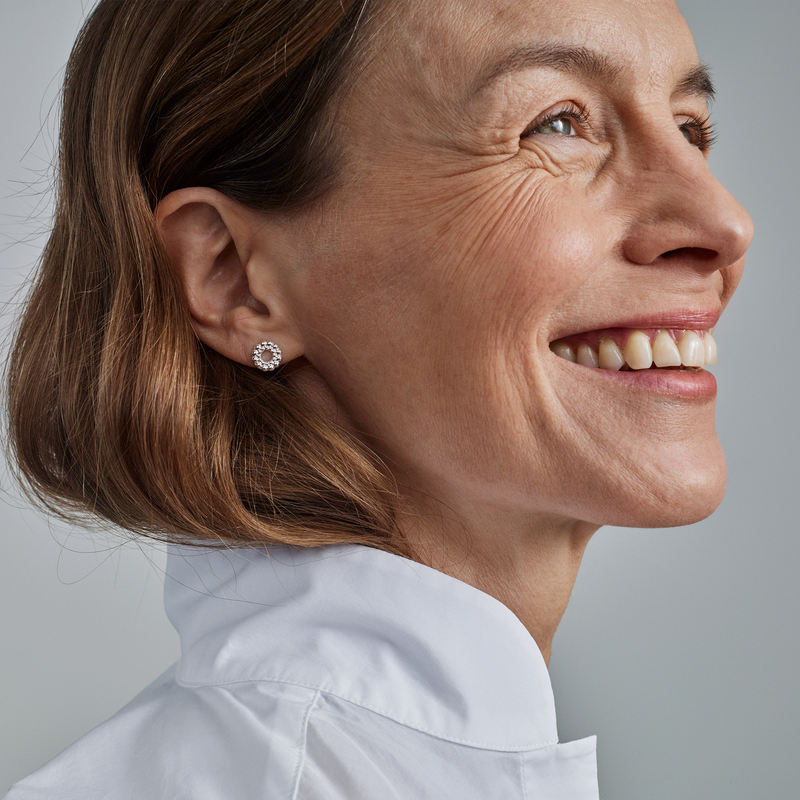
(685, 496)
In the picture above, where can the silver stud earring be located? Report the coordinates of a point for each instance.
(267, 366)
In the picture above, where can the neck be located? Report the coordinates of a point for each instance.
(529, 565)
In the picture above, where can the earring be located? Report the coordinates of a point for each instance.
(267, 366)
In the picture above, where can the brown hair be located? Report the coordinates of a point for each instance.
(114, 406)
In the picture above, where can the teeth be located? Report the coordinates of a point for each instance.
(710, 347)
(665, 351)
(690, 351)
(610, 356)
(564, 350)
(638, 353)
(587, 356)
(691, 348)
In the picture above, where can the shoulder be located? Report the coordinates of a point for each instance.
(242, 740)
(261, 739)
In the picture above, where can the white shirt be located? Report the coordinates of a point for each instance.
(339, 673)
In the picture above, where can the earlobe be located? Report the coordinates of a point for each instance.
(216, 245)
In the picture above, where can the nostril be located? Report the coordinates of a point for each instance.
(695, 253)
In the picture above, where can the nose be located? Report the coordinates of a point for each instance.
(680, 213)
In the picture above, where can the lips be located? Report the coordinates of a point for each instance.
(639, 349)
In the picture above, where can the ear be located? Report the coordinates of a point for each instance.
(232, 262)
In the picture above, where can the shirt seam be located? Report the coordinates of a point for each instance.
(318, 692)
(301, 755)
(524, 779)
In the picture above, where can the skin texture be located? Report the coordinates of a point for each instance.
(420, 296)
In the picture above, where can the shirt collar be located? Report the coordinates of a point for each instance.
(375, 629)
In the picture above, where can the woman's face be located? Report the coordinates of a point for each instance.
(516, 173)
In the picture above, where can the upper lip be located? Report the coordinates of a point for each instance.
(682, 319)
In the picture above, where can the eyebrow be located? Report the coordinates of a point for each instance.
(564, 59)
(590, 63)
(697, 83)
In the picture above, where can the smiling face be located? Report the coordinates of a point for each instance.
(518, 177)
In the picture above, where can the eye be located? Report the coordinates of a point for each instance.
(563, 122)
(561, 125)
(699, 133)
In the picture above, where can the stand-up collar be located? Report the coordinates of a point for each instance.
(377, 630)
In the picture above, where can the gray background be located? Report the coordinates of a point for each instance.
(680, 648)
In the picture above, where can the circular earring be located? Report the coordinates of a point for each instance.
(267, 366)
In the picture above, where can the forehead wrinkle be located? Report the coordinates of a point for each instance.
(571, 59)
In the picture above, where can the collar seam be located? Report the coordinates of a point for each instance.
(515, 748)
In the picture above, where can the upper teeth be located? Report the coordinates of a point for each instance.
(639, 352)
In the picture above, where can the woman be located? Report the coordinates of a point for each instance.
(435, 280)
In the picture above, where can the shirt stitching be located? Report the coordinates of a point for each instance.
(301, 755)
(524, 779)
(513, 748)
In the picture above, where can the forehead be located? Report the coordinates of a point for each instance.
(446, 46)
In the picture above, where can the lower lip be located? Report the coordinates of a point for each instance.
(667, 382)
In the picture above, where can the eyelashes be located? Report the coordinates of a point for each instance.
(550, 119)
(700, 133)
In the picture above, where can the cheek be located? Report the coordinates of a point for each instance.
(480, 260)
(434, 317)
(508, 255)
